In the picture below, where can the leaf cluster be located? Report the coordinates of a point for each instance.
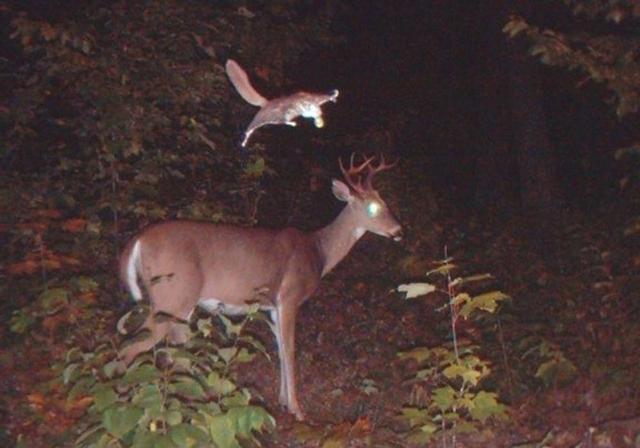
(608, 57)
(447, 394)
(173, 397)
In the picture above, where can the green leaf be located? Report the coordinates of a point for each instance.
(420, 354)
(444, 397)
(73, 355)
(85, 284)
(557, 370)
(227, 353)
(187, 386)
(222, 431)
(113, 367)
(21, 321)
(82, 387)
(187, 436)
(444, 270)
(230, 328)
(415, 416)
(250, 418)
(420, 438)
(461, 298)
(239, 397)
(70, 373)
(149, 398)
(485, 302)
(205, 327)
(256, 345)
(103, 397)
(144, 373)
(471, 279)
(119, 421)
(174, 417)
(244, 356)
(54, 298)
(485, 405)
(256, 168)
(429, 428)
(221, 386)
(455, 370)
(413, 290)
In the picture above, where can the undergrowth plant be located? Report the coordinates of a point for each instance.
(447, 397)
(182, 396)
(554, 368)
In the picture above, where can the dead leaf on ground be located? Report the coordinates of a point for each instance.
(75, 225)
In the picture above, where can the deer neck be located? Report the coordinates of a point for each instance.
(336, 239)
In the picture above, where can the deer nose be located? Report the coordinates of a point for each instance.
(397, 234)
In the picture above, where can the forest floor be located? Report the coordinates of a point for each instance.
(574, 306)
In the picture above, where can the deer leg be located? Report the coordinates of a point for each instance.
(163, 300)
(285, 325)
(276, 331)
(158, 331)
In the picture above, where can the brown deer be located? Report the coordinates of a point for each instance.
(281, 110)
(184, 264)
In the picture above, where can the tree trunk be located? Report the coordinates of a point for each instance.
(539, 190)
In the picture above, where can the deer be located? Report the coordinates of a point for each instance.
(282, 110)
(183, 264)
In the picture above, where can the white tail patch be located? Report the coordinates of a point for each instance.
(133, 263)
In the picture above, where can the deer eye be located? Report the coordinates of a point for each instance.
(373, 208)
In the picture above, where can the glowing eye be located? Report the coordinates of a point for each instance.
(373, 208)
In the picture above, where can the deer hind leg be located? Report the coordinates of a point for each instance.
(174, 301)
(277, 333)
(158, 330)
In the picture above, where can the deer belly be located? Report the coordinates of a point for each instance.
(215, 306)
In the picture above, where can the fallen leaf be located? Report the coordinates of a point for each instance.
(75, 225)
(48, 213)
(23, 267)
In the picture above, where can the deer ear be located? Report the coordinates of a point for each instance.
(341, 190)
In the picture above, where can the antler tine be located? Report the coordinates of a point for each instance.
(377, 168)
(352, 175)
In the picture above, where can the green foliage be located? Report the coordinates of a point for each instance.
(173, 397)
(554, 368)
(448, 397)
(609, 58)
(603, 49)
(69, 303)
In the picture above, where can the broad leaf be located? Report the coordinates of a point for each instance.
(485, 405)
(413, 290)
(119, 421)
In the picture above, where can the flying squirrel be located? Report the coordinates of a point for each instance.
(282, 110)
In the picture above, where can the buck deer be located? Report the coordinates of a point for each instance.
(281, 110)
(184, 264)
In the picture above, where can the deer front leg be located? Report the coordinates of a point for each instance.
(284, 320)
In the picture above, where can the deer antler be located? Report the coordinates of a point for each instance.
(353, 175)
(376, 169)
